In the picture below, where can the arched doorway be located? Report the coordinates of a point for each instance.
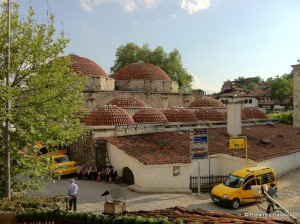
(128, 177)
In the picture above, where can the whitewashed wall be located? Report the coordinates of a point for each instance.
(283, 164)
(222, 165)
(119, 159)
(151, 178)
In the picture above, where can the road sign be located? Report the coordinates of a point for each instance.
(199, 143)
(237, 143)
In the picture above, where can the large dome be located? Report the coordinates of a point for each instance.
(141, 71)
(128, 102)
(253, 113)
(206, 102)
(109, 115)
(210, 114)
(149, 115)
(179, 115)
(86, 67)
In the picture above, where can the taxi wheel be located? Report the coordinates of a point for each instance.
(235, 203)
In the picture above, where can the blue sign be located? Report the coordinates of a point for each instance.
(200, 139)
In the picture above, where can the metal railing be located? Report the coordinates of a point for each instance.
(206, 182)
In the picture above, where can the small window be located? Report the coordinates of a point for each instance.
(267, 178)
(246, 100)
(250, 100)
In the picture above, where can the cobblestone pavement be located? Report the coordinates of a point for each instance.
(89, 199)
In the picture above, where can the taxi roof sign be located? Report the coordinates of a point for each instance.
(237, 142)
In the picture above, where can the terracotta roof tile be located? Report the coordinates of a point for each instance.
(174, 147)
(155, 148)
(249, 93)
(202, 216)
(210, 114)
(179, 115)
(108, 115)
(128, 102)
(206, 102)
(253, 113)
(86, 66)
(142, 71)
(149, 115)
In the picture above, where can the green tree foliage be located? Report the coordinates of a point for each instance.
(281, 86)
(171, 62)
(248, 83)
(44, 95)
(284, 117)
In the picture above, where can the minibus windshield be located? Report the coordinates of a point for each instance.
(234, 181)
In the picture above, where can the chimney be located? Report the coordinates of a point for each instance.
(234, 118)
(296, 95)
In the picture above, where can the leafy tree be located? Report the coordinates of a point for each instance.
(44, 95)
(248, 83)
(283, 117)
(171, 62)
(281, 86)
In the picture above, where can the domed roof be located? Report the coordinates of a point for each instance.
(179, 115)
(109, 115)
(253, 113)
(141, 71)
(86, 67)
(206, 102)
(149, 115)
(128, 102)
(210, 114)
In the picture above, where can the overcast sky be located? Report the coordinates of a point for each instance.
(218, 39)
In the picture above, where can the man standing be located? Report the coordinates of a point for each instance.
(272, 193)
(73, 190)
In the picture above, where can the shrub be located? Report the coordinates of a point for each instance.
(283, 117)
(24, 203)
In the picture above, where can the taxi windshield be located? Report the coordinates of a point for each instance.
(233, 181)
(62, 159)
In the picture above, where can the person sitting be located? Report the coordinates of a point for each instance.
(112, 174)
(83, 174)
(93, 173)
(102, 175)
(107, 172)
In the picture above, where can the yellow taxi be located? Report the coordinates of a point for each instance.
(62, 165)
(236, 190)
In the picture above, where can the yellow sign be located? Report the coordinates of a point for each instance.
(237, 143)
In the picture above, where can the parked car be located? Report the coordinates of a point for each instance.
(62, 164)
(236, 190)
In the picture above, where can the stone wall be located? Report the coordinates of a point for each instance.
(147, 86)
(83, 151)
(157, 100)
(296, 95)
(100, 83)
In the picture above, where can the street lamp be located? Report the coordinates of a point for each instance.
(7, 109)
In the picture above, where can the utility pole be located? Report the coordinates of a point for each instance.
(7, 110)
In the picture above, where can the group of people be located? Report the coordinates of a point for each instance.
(108, 174)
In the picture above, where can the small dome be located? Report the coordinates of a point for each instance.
(149, 115)
(210, 114)
(206, 102)
(109, 115)
(179, 115)
(86, 67)
(128, 102)
(141, 71)
(253, 113)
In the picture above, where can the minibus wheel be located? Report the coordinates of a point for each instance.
(235, 203)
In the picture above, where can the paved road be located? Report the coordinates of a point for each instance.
(89, 199)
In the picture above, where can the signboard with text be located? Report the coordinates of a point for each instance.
(199, 143)
(237, 143)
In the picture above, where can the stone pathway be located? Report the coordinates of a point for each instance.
(89, 199)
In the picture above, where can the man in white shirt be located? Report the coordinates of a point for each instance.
(73, 190)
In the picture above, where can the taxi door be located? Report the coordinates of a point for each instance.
(246, 192)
